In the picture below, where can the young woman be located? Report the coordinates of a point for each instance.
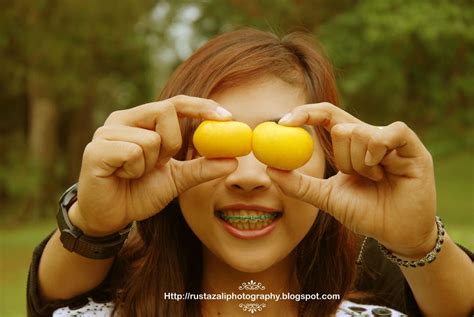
(293, 232)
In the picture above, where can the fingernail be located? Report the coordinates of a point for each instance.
(369, 159)
(285, 118)
(223, 112)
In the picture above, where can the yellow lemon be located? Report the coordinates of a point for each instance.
(281, 147)
(219, 139)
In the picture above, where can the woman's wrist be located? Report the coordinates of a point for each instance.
(414, 259)
(78, 221)
(422, 249)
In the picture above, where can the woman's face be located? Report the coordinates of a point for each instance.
(218, 211)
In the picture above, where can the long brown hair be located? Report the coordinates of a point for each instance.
(167, 256)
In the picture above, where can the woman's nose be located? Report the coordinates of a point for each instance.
(250, 175)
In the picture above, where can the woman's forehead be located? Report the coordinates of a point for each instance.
(267, 99)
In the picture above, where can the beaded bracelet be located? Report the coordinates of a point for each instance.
(428, 258)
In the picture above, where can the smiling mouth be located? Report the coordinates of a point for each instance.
(248, 219)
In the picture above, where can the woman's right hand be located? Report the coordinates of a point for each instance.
(128, 172)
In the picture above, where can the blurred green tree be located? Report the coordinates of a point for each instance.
(406, 59)
(64, 64)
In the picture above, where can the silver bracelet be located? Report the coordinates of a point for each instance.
(428, 258)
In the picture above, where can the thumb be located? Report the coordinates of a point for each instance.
(187, 174)
(306, 188)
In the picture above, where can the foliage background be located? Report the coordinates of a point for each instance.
(66, 64)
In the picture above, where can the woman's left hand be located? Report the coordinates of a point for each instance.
(385, 188)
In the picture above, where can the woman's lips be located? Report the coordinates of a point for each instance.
(241, 206)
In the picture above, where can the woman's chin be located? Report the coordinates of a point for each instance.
(248, 268)
(252, 263)
(249, 259)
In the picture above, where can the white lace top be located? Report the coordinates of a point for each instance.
(347, 308)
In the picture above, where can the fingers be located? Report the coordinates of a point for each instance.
(396, 136)
(191, 173)
(341, 142)
(148, 141)
(324, 114)
(360, 148)
(199, 108)
(312, 190)
(162, 117)
(367, 150)
(105, 158)
(170, 131)
(358, 153)
(350, 142)
(149, 115)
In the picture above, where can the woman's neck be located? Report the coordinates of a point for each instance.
(218, 278)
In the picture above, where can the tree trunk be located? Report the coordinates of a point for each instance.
(43, 117)
(79, 133)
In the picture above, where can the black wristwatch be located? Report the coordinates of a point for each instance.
(75, 240)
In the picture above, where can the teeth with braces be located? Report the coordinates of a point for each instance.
(250, 218)
(245, 221)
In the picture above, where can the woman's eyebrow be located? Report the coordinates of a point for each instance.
(305, 126)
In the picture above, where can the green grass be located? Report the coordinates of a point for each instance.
(16, 248)
(454, 175)
(455, 190)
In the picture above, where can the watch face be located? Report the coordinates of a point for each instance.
(69, 197)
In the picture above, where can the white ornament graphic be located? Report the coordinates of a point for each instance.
(251, 286)
(252, 307)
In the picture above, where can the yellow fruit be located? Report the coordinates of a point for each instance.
(281, 147)
(220, 139)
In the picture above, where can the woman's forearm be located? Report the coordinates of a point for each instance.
(444, 287)
(63, 274)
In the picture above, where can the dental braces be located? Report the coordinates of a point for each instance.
(259, 217)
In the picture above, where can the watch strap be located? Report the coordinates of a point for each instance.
(74, 240)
